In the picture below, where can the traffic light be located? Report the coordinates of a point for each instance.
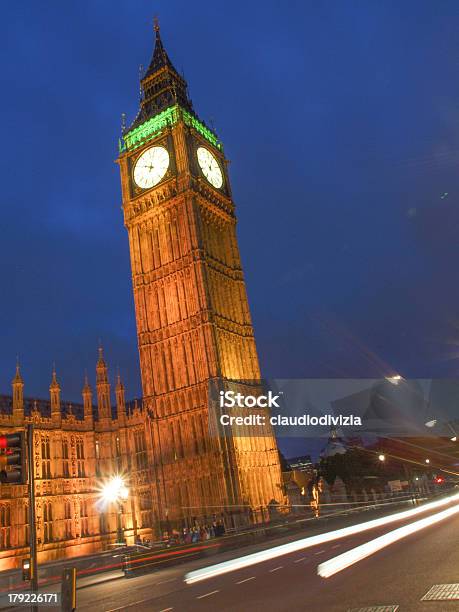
(26, 569)
(13, 458)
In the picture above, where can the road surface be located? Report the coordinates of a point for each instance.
(399, 575)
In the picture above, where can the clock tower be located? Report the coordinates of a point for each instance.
(193, 319)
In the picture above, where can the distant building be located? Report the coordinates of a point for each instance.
(300, 464)
(295, 482)
(334, 446)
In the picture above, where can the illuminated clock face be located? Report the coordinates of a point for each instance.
(151, 167)
(210, 168)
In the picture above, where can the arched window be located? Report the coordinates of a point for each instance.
(5, 526)
(84, 521)
(65, 459)
(45, 458)
(97, 458)
(140, 450)
(47, 522)
(80, 457)
(68, 522)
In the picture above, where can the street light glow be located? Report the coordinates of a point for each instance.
(114, 489)
(394, 379)
(427, 460)
(433, 422)
(382, 457)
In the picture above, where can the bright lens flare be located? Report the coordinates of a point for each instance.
(114, 489)
(285, 549)
(337, 564)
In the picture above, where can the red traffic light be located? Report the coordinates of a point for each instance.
(13, 458)
(10, 440)
(439, 480)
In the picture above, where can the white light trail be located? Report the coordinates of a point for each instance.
(337, 564)
(285, 549)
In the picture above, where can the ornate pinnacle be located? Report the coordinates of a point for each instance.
(18, 377)
(54, 384)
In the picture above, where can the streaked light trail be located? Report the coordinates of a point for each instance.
(337, 564)
(285, 549)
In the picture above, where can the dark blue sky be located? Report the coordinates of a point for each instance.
(341, 121)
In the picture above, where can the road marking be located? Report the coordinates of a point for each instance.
(300, 559)
(207, 594)
(164, 581)
(166, 610)
(128, 605)
(276, 568)
(246, 580)
(320, 552)
(375, 609)
(336, 546)
(442, 592)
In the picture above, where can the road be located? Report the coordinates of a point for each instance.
(399, 575)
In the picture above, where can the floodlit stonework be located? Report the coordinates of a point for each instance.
(77, 447)
(193, 319)
(193, 325)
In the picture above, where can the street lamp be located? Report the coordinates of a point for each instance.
(115, 491)
(432, 423)
(382, 457)
(394, 379)
(427, 460)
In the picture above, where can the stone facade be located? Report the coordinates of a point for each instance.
(77, 447)
(193, 318)
(193, 326)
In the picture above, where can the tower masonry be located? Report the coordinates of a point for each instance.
(192, 313)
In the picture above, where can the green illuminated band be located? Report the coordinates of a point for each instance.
(189, 119)
(154, 126)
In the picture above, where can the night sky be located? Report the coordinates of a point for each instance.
(341, 121)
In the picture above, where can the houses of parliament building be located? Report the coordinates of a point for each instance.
(193, 328)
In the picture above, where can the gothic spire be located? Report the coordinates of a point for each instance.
(86, 387)
(161, 86)
(101, 367)
(160, 59)
(54, 384)
(18, 394)
(17, 378)
(119, 384)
